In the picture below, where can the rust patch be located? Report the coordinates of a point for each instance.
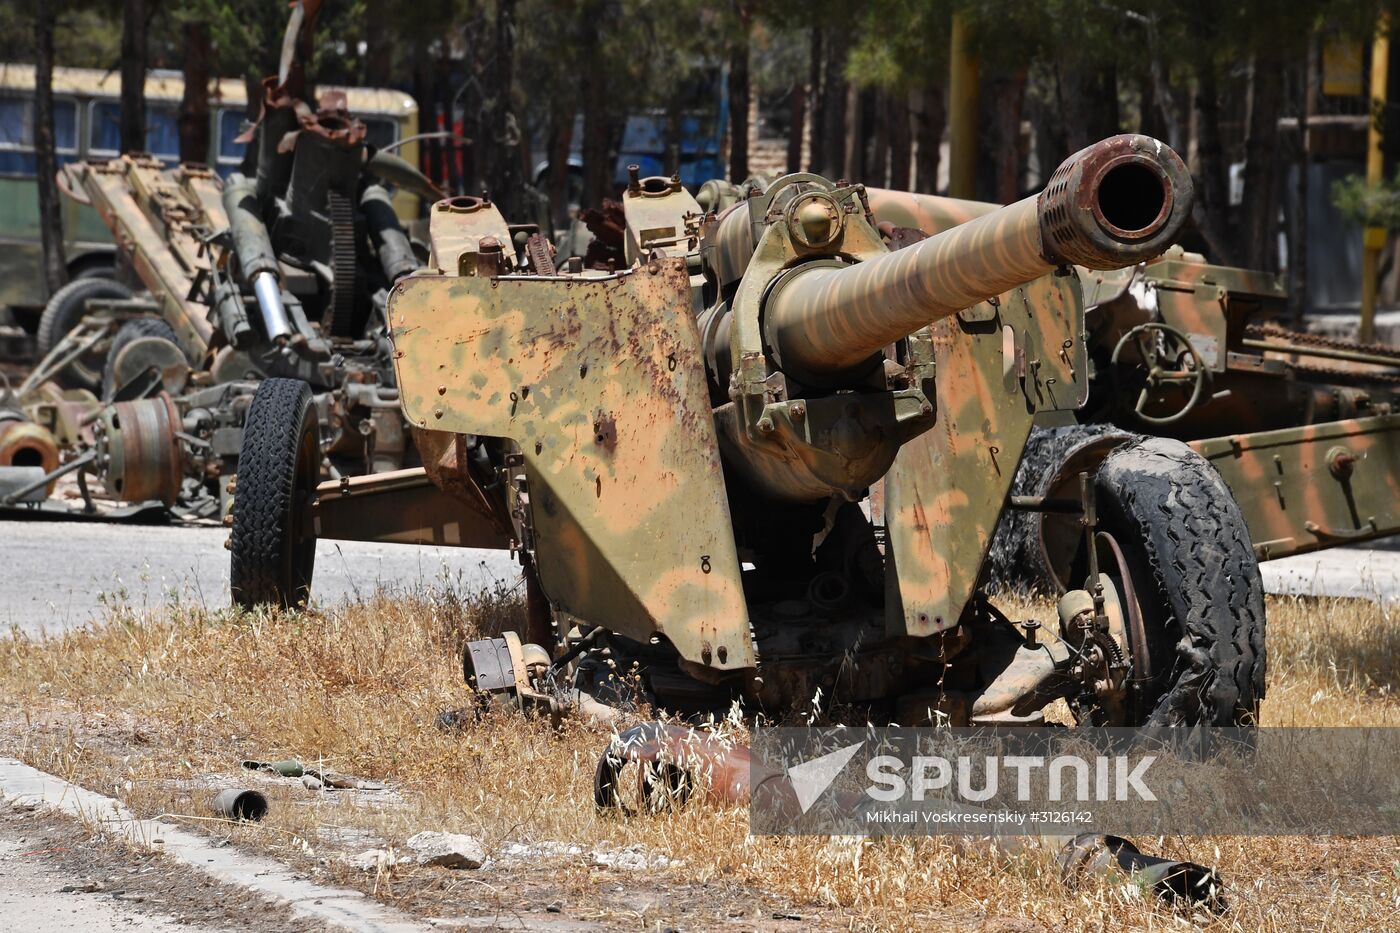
(605, 431)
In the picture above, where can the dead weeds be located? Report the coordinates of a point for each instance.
(159, 711)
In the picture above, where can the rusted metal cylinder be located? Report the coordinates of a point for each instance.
(240, 805)
(1116, 203)
(26, 444)
(390, 242)
(140, 453)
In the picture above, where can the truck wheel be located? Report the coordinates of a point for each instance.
(279, 465)
(65, 309)
(1179, 538)
(132, 330)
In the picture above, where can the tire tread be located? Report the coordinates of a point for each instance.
(262, 563)
(1196, 545)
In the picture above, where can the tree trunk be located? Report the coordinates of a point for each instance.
(877, 171)
(1009, 94)
(45, 155)
(459, 165)
(504, 176)
(1159, 106)
(1212, 196)
(430, 150)
(1259, 229)
(561, 138)
(818, 96)
(901, 144)
(739, 106)
(932, 122)
(133, 69)
(379, 48)
(797, 116)
(856, 137)
(833, 160)
(597, 167)
(1089, 94)
(194, 106)
(1298, 245)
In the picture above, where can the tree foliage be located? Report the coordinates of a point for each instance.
(1212, 78)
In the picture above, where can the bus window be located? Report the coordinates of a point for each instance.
(17, 133)
(379, 132)
(162, 132)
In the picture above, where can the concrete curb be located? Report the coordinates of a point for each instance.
(340, 908)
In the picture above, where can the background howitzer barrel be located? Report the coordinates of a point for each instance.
(227, 301)
(256, 257)
(390, 242)
(1116, 203)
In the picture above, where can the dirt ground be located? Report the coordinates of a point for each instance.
(159, 713)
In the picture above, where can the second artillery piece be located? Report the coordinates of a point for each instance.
(280, 274)
(691, 495)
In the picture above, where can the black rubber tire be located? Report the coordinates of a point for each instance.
(1015, 563)
(1189, 555)
(279, 465)
(131, 330)
(65, 309)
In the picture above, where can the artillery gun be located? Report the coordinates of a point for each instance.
(282, 275)
(1304, 429)
(790, 494)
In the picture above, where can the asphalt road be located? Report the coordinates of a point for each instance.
(56, 575)
(1367, 571)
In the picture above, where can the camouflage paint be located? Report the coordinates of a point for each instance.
(786, 446)
(600, 382)
(945, 492)
(927, 212)
(1312, 487)
(400, 506)
(657, 211)
(1210, 303)
(456, 228)
(835, 318)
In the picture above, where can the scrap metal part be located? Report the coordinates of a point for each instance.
(139, 452)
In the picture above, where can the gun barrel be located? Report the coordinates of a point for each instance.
(256, 257)
(390, 242)
(1116, 203)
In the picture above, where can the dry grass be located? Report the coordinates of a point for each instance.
(148, 709)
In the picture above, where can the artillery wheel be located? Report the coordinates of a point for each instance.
(1018, 560)
(279, 465)
(65, 309)
(132, 331)
(1174, 539)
